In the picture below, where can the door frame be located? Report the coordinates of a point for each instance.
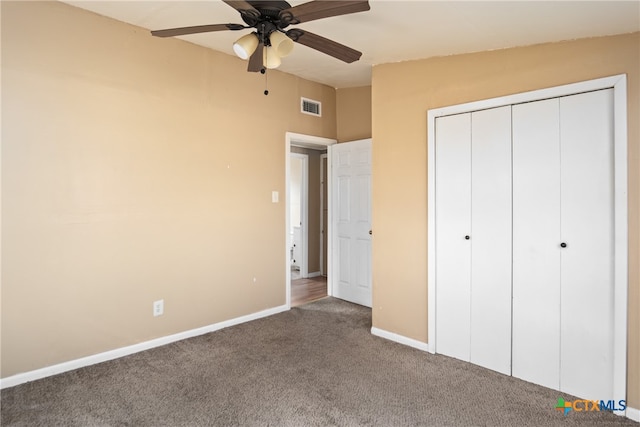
(318, 143)
(620, 323)
(324, 177)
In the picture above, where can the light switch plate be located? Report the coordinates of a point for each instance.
(158, 308)
(275, 197)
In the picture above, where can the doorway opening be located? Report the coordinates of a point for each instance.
(307, 234)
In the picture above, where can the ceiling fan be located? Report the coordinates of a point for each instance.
(270, 41)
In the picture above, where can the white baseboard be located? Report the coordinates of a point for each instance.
(401, 339)
(136, 348)
(314, 274)
(633, 414)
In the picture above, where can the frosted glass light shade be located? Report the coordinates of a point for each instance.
(271, 58)
(246, 45)
(282, 43)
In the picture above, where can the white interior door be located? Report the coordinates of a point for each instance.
(490, 302)
(536, 243)
(351, 217)
(453, 226)
(587, 217)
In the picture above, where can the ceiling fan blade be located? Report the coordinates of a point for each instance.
(314, 41)
(319, 9)
(197, 29)
(245, 8)
(256, 60)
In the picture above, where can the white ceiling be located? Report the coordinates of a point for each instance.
(394, 30)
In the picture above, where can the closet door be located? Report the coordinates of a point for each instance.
(490, 239)
(586, 319)
(473, 237)
(453, 223)
(563, 243)
(536, 243)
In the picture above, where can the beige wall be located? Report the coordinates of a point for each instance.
(401, 95)
(133, 169)
(354, 118)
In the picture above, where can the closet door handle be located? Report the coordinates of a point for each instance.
(467, 237)
(563, 245)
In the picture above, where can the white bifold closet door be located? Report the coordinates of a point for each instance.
(536, 242)
(563, 243)
(473, 237)
(453, 223)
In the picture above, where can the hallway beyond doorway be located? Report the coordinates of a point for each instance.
(307, 290)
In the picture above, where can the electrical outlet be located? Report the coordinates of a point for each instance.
(158, 308)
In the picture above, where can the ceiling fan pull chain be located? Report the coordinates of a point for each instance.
(266, 82)
(263, 70)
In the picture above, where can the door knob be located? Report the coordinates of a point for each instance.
(370, 232)
(467, 237)
(563, 245)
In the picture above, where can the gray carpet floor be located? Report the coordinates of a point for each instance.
(315, 365)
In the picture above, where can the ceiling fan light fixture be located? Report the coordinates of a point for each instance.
(282, 43)
(246, 45)
(271, 58)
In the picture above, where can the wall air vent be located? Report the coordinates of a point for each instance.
(309, 106)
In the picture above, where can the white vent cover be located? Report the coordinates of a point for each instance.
(309, 106)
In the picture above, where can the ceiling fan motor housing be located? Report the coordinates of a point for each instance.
(268, 20)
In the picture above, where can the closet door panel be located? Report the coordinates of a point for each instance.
(536, 250)
(491, 239)
(453, 213)
(586, 124)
